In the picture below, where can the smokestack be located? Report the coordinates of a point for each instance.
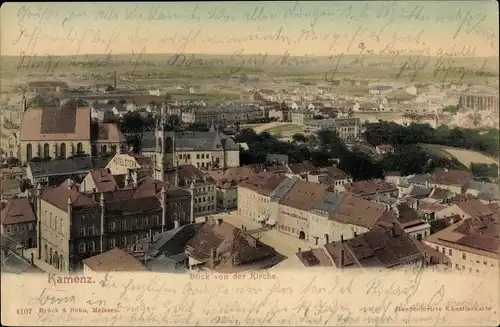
(342, 238)
(163, 208)
(114, 79)
(342, 259)
(101, 237)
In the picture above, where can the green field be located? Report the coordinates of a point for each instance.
(464, 156)
(285, 129)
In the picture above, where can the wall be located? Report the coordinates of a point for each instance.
(227, 198)
(467, 262)
(293, 221)
(55, 232)
(86, 146)
(320, 225)
(232, 158)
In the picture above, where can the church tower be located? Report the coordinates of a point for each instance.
(165, 146)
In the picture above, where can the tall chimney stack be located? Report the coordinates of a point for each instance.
(342, 238)
(342, 259)
(114, 79)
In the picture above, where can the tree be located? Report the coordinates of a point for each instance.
(299, 138)
(12, 161)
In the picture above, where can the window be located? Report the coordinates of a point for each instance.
(112, 243)
(470, 269)
(8, 229)
(60, 226)
(449, 252)
(82, 232)
(198, 156)
(133, 239)
(82, 247)
(91, 230)
(485, 263)
(464, 256)
(123, 240)
(15, 228)
(202, 156)
(145, 222)
(129, 224)
(437, 248)
(92, 246)
(123, 225)
(444, 250)
(112, 226)
(156, 221)
(456, 266)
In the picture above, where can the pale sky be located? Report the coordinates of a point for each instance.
(456, 28)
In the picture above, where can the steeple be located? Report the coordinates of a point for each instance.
(212, 127)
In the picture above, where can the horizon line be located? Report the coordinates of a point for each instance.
(243, 55)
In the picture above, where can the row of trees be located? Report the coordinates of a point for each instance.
(398, 135)
(320, 149)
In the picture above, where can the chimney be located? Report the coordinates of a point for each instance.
(213, 255)
(191, 192)
(393, 230)
(70, 207)
(176, 224)
(342, 238)
(114, 79)
(38, 190)
(342, 258)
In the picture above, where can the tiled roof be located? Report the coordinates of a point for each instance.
(237, 174)
(263, 183)
(58, 196)
(106, 133)
(187, 174)
(369, 187)
(104, 181)
(304, 195)
(475, 208)
(66, 166)
(192, 141)
(451, 177)
(358, 211)
(329, 203)
(232, 246)
(440, 193)
(18, 211)
(335, 173)
(302, 167)
(406, 215)
(442, 223)
(114, 260)
(380, 247)
(315, 258)
(55, 124)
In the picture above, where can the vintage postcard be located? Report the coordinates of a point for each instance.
(315, 163)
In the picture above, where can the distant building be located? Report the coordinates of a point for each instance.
(456, 181)
(345, 127)
(481, 102)
(47, 86)
(381, 89)
(299, 117)
(223, 114)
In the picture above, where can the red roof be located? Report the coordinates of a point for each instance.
(18, 211)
